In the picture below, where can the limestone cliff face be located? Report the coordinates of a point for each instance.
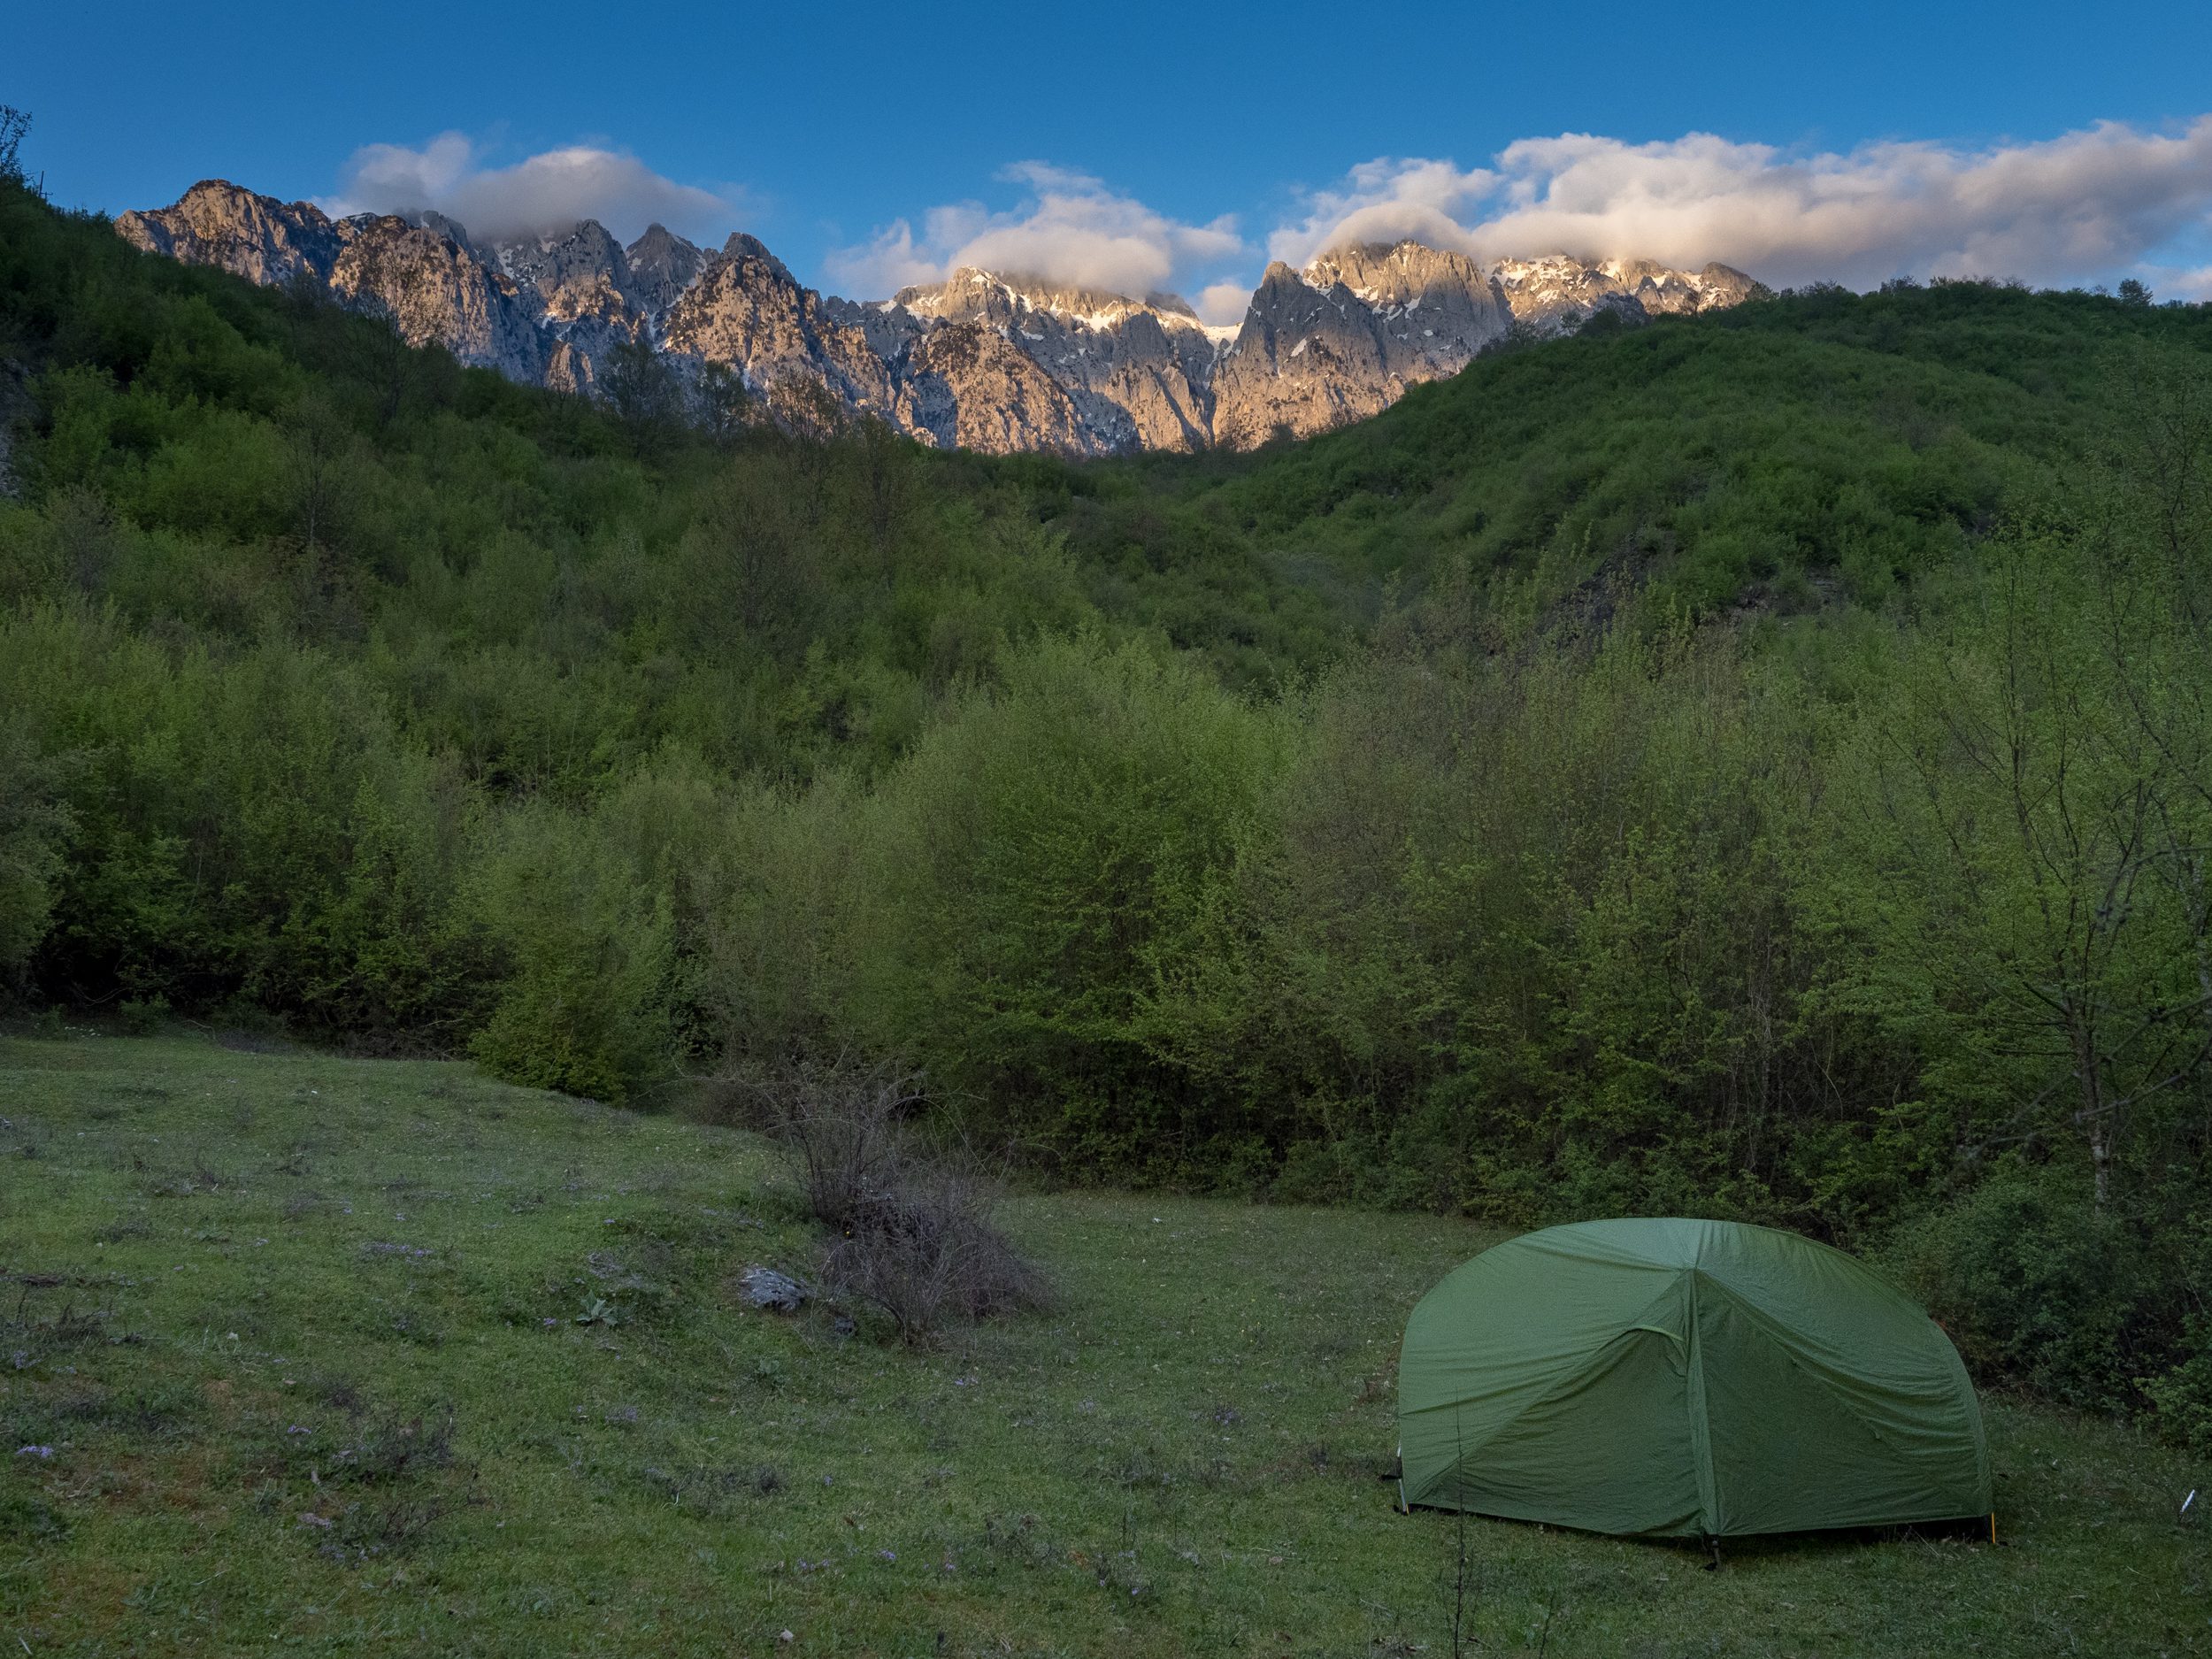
(965, 385)
(1558, 292)
(1137, 371)
(433, 288)
(662, 266)
(1431, 310)
(434, 291)
(253, 236)
(1306, 359)
(580, 288)
(982, 360)
(1344, 338)
(746, 309)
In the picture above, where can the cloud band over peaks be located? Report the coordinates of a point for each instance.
(2080, 207)
(546, 193)
(1071, 229)
(2088, 206)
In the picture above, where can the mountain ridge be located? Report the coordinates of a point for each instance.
(984, 360)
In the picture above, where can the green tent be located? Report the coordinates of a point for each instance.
(1691, 1378)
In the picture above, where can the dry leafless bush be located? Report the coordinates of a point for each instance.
(930, 1251)
(848, 1124)
(916, 1232)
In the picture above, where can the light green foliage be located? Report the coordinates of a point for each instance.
(586, 1006)
(488, 1336)
(1056, 865)
(784, 923)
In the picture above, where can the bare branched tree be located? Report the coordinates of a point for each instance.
(14, 126)
(719, 401)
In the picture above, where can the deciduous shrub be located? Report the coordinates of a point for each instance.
(2183, 1396)
(2033, 1284)
(929, 1249)
(584, 1006)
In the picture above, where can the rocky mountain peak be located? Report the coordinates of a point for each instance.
(984, 359)
(662, 266)
(580, 269)
(741, 245)
(1394, 273)
(1558, 291)
(257, 237)
(1344, 338)
(1004, 299)
(430, 218)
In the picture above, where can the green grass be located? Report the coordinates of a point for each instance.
(247, 1288)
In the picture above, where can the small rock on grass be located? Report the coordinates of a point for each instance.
(776, 1292)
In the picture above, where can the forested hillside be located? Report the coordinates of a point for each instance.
(1756, 764)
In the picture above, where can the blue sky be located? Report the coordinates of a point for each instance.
(1176, 145)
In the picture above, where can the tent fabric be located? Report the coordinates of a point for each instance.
(1683, 1377)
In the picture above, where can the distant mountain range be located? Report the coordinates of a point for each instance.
(982, 361)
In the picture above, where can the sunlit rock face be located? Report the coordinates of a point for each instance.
(1136, 371)
(1344, 338)
(983, 360)
(746, 309)
(436, 291)
(253, 236)
(662, 266)
(1559, 291)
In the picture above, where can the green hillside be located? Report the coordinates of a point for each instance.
(1756, 764)
(1777, 454)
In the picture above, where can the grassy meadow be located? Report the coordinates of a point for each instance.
(323, 1354)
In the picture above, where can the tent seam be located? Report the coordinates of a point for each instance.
(1702, 1418)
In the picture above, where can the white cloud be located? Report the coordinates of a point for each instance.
(2089, 205)
(891, 260)
(1223, 301)
(549, 191)
(2081, 206)
(2178, 282)
(1387, 200)
(1071, 228)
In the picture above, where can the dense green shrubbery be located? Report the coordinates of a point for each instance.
(1755, 766)
(2031, 1282)
(1053, 874)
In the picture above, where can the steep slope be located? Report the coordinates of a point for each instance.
(429, 282)
(966, 386)
(662, 266)
(434, 290)
(746, 308)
